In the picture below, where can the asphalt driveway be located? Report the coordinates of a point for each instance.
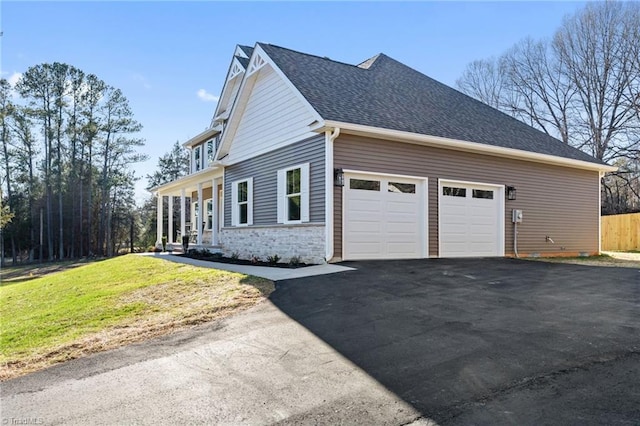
(481, 341)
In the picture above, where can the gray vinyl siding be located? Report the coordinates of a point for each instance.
(263, 169)
(560, 202)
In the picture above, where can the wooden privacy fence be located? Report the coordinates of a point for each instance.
(620, 232)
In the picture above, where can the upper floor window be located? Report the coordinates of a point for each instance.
(293, 194)
(211, 151)
(242, 202)
(196, 159)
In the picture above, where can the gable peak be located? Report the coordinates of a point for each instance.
(369, 62)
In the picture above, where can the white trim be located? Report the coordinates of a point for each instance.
(316, 116)
(280, 184)
(600, 176)
(239, 104)
(205, 150)
(424, 210)
(358, 172)
(218, 209)
(329, 137)
(159, 219)
(304, 194)
(189, 180)
(256, 62)
(170, 220)
(250, 201)
(201, 137)
(239, 52)
(458, 145)
(196, 159)
(234, 203)
(198, 222)
(235, 211)
(224, 103)
(501, 210)
(206, 213)
(236, 69)
(183, 228)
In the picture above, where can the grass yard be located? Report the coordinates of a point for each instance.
(79, 310)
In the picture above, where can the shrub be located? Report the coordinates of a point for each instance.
(295, 261)
(273, 259)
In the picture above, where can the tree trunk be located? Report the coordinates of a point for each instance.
(131, 234)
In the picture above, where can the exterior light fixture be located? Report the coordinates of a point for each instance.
(338, 177)
(511, 192)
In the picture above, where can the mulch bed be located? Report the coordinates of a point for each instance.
(217, 257)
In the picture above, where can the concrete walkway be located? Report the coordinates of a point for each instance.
(273, 274)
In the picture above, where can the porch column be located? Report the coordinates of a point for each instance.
(183, 226)
(170, 218)
(199, 221)
(214, 212)
(159, 224)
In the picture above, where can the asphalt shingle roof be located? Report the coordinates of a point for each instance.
(391, 95)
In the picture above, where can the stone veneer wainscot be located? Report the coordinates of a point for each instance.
(305, 241)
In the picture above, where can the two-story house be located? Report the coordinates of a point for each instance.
(326, 161)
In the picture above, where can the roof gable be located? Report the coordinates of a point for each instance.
(382, 92)
(267, 108)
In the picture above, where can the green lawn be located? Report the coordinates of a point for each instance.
(108, 303)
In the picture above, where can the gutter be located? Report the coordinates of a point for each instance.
(330, 137)
(186, 179)
(202, 137)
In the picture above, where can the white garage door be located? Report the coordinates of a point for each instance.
(384, 217)
(471, 220)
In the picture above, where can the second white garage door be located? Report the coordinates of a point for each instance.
(384, 217)
(471, 219)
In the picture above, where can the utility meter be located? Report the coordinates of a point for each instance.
(516, 216)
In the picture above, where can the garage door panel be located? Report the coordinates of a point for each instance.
(364, 250)
(364, 205)
(365, 228)
(470, 224)
(404, 219)
(388, 223)
(401, 206)
(401, 228)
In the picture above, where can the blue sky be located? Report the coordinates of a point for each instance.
(170, 58)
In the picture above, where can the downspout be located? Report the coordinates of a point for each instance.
(515, 239)
(600, 176)
(329, 137)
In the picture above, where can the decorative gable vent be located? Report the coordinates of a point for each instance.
(256, 63)
(236, 70)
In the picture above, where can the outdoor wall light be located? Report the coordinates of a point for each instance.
(511, 192)
(338, 177)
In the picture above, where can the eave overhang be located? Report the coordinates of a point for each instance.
(202, 137)
(458, 145)
(189, 181)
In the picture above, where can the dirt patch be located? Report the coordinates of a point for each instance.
(608, 259)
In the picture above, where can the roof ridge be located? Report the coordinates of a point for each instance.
(326, 58)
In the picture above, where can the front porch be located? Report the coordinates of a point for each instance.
(198, 199)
